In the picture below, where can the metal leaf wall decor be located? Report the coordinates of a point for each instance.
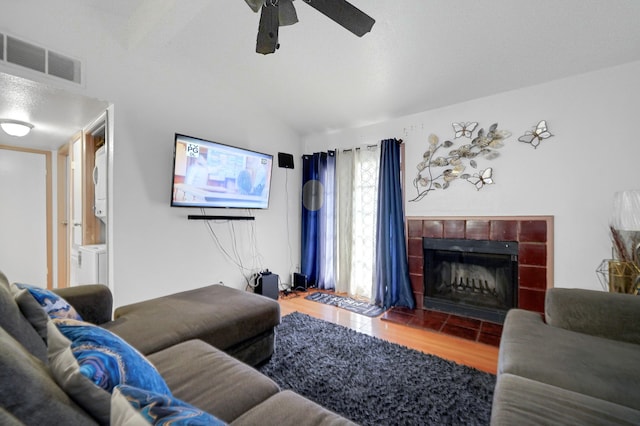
(443, 162)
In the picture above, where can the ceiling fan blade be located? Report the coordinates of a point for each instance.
(345, 14)
(254, 4)
(287, 13)
(268, 29)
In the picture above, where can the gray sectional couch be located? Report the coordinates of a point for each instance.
(195, 339)
(579, 365)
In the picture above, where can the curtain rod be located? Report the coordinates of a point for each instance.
(400, 141)
(358, 148)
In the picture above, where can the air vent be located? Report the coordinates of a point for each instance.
(37, 58)
(26, 55)
(64, 67)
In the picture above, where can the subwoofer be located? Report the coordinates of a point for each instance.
(267, 285)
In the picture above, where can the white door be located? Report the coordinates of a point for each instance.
(23, 216)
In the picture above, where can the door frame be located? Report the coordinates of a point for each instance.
(62, 194)
(64, 197)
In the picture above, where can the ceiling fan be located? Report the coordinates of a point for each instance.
(277, 13)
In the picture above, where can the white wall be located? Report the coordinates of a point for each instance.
(571, 176)
(156, 249)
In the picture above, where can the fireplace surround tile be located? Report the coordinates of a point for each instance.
(432, 229)
(415, 265)
(504, 230)
(415, 246)
(531, 232)
(534, 254)
(531, 299)
(477, 230)
(454, 229)
(414, 229)
(416, 283)
(532, 277)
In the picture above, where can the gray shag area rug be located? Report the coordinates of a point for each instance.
(357, 306)
(374, 382)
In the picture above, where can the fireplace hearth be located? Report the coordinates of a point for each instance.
(473, 278)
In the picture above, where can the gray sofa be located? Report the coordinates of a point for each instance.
(189, 338)
(580, 364)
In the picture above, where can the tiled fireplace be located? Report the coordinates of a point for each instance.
(533, 236)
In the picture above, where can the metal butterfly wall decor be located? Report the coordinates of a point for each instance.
(464, 129)
(481, 179)
(535, 136)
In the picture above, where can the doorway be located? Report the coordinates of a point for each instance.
(58, 116)
(82, 205)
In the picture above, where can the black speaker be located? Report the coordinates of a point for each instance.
(299, 281)
(267, 285)
(285, 160)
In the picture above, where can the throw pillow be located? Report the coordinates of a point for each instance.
(66, 372)
(29, 393)
(33, 312)
(13, 321)
(107, 360)
(133, 406)
(54, 305)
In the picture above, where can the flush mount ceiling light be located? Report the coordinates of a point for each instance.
(15, 127)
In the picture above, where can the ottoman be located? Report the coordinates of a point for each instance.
(234, 321)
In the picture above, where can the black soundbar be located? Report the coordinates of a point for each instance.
(206, 217)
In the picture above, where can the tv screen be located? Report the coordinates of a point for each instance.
(211, 174)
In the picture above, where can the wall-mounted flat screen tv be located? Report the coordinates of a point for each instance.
(211, 174)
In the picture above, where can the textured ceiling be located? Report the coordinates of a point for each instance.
(419, 55)
(57, 114)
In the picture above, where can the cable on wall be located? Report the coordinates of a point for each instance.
(286, 190)
(234, 258)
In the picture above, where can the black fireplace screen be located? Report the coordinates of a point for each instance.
(475, 278)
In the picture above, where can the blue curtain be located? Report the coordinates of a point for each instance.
(318, 205)
(311, 203)
(392, 284)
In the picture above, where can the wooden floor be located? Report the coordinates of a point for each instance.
(477, 355)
